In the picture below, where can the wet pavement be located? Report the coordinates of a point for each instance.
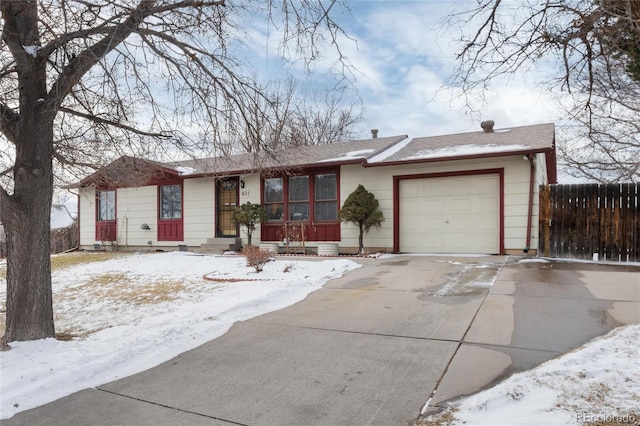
(372, 347)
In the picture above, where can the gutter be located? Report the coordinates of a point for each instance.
(530, 212)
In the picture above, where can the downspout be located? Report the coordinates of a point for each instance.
(530, 212)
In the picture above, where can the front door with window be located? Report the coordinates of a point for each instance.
(170, 218)
(106, 217)
(226, 203)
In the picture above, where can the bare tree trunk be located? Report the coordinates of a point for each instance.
(26, 216)
(361, 238)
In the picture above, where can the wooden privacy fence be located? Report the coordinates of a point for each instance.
(590, 221)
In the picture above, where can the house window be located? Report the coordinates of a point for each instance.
(274, 198)
(106, 206)
(311, 198)
(326, 197)
(299, 198)
(171, 202)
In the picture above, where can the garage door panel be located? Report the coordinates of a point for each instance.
(412, 207)
(459, 205)
(483, 184)
(450, 214)
(431, 206)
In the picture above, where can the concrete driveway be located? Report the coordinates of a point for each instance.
(372, 346)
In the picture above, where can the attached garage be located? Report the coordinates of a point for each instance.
(449, 214)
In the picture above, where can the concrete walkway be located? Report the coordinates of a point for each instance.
(371, 347)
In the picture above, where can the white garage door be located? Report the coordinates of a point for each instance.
(450, 215)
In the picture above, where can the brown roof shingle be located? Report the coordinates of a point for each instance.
(534, 138)
(336, 153)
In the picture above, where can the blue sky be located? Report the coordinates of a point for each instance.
(403, 57)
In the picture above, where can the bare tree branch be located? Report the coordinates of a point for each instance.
(95, 119)
(597, 45)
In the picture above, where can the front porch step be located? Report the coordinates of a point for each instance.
(220, 245)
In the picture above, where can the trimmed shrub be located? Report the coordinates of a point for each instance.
(256, 257)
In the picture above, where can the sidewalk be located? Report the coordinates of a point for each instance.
(370, 347)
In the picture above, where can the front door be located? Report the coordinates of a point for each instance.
(226, 202)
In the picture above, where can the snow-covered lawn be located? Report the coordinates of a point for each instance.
(126, 314)
(129, 313)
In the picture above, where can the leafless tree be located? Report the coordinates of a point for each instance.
(80, 80)
(594, 46)
(295, 120)
(322, 119)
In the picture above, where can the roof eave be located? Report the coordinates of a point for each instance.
(460, 157)
(316, 165)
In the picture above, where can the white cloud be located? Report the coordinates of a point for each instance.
(403, 57)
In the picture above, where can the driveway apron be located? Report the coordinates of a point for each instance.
(369, 348)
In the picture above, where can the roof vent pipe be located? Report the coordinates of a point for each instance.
(487, 126)
(374, 133)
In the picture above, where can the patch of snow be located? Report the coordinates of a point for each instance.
(352, 155)
(184, 171)
(595, 262)
(597, 383)
(133, 312)
(468, 279)
(534, 260)
(378, 158)
(461, 150)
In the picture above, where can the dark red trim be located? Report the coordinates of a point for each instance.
(532, 176)
(552, 166)
(396, 198)
(106, 230)
(314, 230)
(78, 220)
(170, 229)
(291, 170)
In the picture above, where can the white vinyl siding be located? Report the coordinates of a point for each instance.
(199, 219)
(138, 206)
(87, 216)
(379, 181)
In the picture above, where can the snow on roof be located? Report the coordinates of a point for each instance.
(378, 151)
(183, 170)
(463, 150)
(291, 157)
(535, 138)
(392, 150)
(351, 155)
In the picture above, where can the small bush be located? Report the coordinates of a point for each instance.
(256, 257)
